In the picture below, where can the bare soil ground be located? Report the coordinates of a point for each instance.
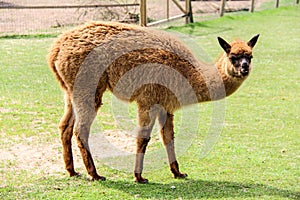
(39, 156)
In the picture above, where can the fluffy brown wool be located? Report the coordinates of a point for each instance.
(142, 65)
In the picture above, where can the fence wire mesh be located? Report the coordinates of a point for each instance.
(25, 17)
(19, 17)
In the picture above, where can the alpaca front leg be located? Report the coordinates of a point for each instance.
(174, 167)
(146, 120)
(167, 134)
(139, 159)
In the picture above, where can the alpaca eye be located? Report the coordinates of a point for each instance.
(234, 59)
(249, 57)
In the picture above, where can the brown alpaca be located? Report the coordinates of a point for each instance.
(142, 65)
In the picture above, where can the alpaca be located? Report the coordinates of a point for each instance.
(137, 64)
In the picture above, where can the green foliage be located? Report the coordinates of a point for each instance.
(257, 156)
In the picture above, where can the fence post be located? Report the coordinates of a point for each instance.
(189, 12)
(252, 6)
(143, 13)
(168, 10)
(277, 4)
(222, 7)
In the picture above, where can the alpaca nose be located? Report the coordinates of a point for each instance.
(245, 69)
(245, 64)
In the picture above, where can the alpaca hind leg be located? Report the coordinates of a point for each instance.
(82, 134)
(146, 122)
(167, 134)
(66, 132)
(85, 112)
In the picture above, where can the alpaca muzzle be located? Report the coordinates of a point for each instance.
(245, 71)
(245, 68)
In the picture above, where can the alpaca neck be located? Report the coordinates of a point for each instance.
(214, 83)
(231, 84)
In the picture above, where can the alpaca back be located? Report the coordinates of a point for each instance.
(119, 49)
(71, 48)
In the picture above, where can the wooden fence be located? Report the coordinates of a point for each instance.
(11, 14)
(29, 19)
(277, 3)
(69, 6)
(186, 12)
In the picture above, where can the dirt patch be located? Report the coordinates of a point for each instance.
(36, 156)
(32, 155)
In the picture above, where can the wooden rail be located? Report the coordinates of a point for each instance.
(69, 6)
(166, 20)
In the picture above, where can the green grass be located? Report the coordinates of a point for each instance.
(256, 157)
(29, 36)
(271, 4)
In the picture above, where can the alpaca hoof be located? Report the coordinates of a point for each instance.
(76, 174)
(180, 175)
(139, 178)
(142, 180)
(98, 178)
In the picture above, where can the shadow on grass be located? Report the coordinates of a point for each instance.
(195, 189)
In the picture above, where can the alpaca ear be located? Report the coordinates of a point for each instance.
(224, 45)
(253, 41)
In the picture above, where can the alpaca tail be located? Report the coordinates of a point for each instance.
(51, 58)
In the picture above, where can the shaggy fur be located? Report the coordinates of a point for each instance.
(142, 65)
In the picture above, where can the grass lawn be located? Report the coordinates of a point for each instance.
(256, 157)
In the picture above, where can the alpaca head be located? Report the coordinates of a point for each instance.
(238, 57)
